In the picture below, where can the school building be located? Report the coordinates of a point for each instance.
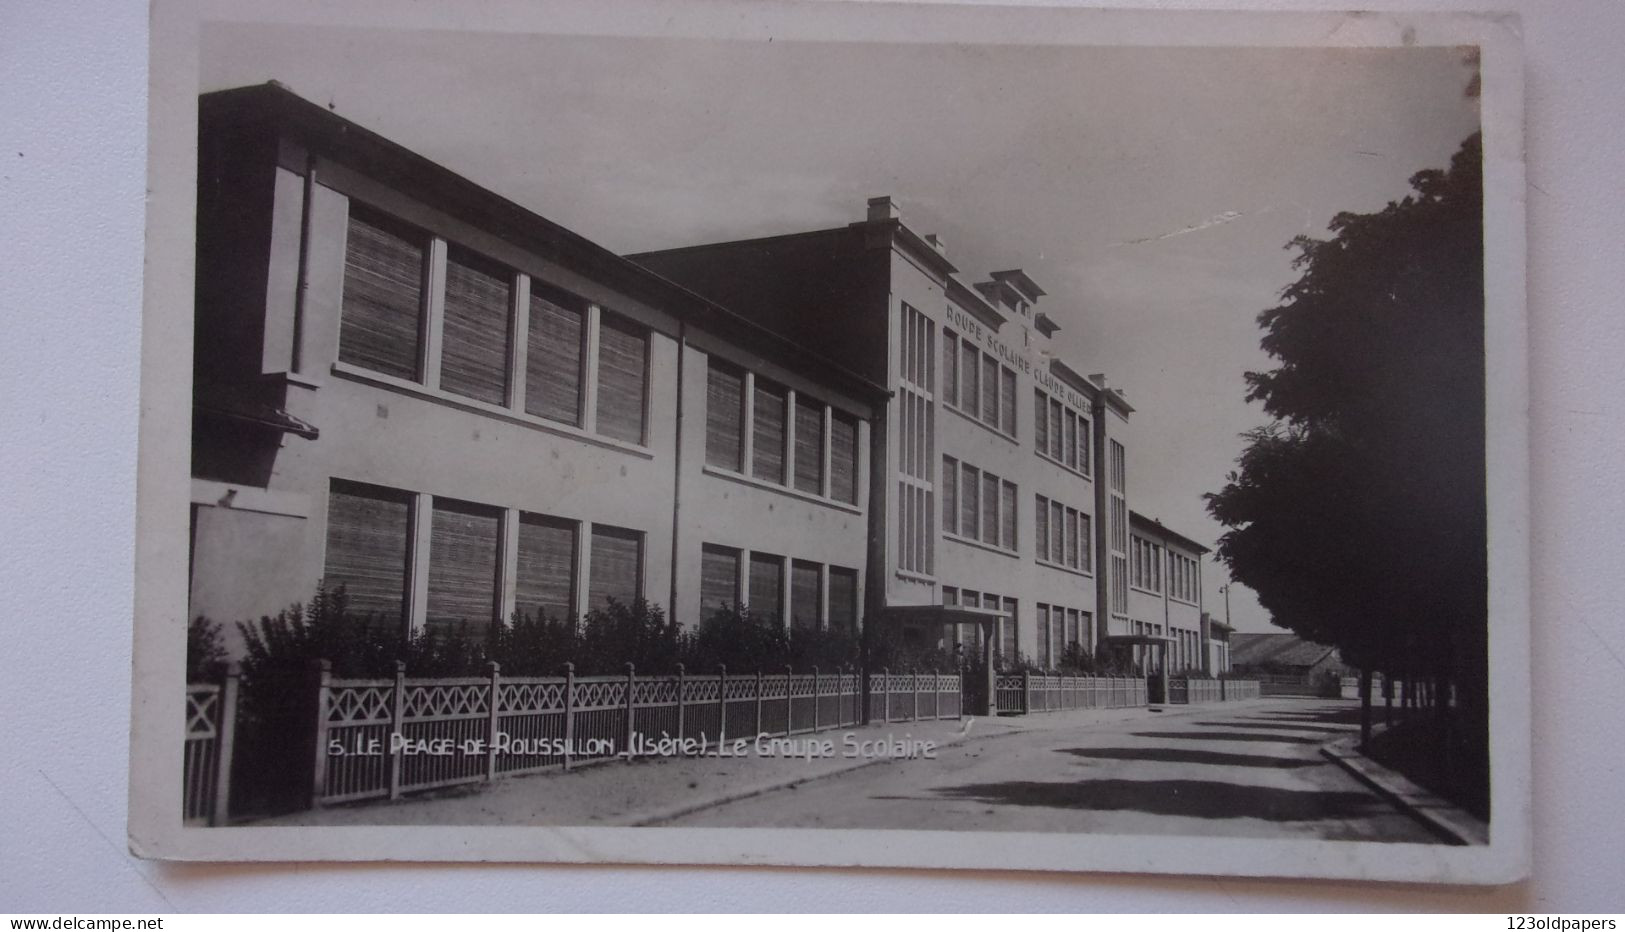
(409, 385)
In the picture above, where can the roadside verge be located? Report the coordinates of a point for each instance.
(1445, 819)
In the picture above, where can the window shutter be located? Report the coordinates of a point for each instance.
(809, 445)
(1083, 444)
(1007, 517)
(1041, 527)
(725, 417)
(969, 381)
(843, 599)
(1007, 401)
(1008, 628)
(616, 566)
(1085, 544)
(950, 368)
(950, 495)
(719, 579)
(970, 507)
(1072, 538)
(1042, 627)
(1057, 532)
(1040, 422)
(462, 569)
(381, 323)
(1056, 439)
(474, 343)
(843, 458)
(990, 391)
(546, 570)
(767, 442)
(1070, 444)
(368, 530)
(805, 594)
(623, 371)
(554, 350)
(767, 587)
(990, 509)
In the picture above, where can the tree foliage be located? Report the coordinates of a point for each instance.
(1358, 514)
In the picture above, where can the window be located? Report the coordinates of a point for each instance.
(1062, 434)
(1007, 517)
(1007, 627)
(381, 322)
(545, 583)
(1043, 637)
(843, 599)
(1117, 529)
(368, 534)
(915, 406)
(1007, 401)
(462, 569)
(719, 579)
(768, 432)
(474, 334)
(970, 500)
(725, 417)
(806, 594)
(1041, 528)
(1062, 535)
(950, 494)
(990, 391)
(843, 471)
(969, 383)
(616, 566)
(1056, 437)
(555, 354)
(990, 509)
(950, 367)
(623, 373)
(1040, 420)
(767, 587)
(809, 445)
(978, 385)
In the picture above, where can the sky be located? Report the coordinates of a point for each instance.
(1150, 191)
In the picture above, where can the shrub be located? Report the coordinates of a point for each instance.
(533, 645)
(744, 641)
(620, 633)
(205, 651)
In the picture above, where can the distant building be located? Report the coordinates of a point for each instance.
(1283, 661)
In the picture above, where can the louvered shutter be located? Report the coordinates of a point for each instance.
(950, 495)
(970, 501)
(381, 322)
(1007, 517)
(623, 373)
(767, 587)
(616, 566)
(1070, 444)
(950, 368)
(725, 417)
(843, 599)
(475, 332)
(843, 458)
(719, 579)
(462, 569)
(1007, 401)
(1041, 527)
(805, 594)
(990, 391)
(545, 574)
(1040, 422)
(1056, 437)
(970, 368)
(1009, 627)
(990, 509)
(1043, 637)
(368, 530)
(809, 445)
(767, 441)
(1057, 532)
(555, 347)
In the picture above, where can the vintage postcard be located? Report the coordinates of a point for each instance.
(816, 433)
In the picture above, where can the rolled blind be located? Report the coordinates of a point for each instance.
(1056, 437)
(990, 391)
(843, 599)
(1073, 635)
(950, 495)
(809, 446)
(616, 566)
(367, 544)
(766, 587)
(1040, 422)
(1072, 538)
(623, 372)
(462, 568)
(545, 582)
(381, 322)
(990, 509)
(475, 333)
(843, 475)
(1007, 517)
(1085, 543)
(555, 348)
(1007, 401)
(767, 439)
(1043, 637)
(1057, 532)
(805, 594)
(950, 368)
(1083, 444)
(725, 417)
(1070, 444)
(970, 368)
(1008, 628)
(970, 501)
(719, 579)
(1041, 527)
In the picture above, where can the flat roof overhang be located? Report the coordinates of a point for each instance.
(941, 614)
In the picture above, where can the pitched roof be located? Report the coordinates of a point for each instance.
(1287, 650)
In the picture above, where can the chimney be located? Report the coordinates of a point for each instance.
(937, 243)
(883, 208)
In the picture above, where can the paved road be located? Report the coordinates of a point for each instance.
(1250, 770)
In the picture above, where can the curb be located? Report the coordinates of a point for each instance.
(1444, 819)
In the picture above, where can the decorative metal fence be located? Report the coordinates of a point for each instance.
(211, 722)
(1023, 693)
(907, 697)
(1233, 690)
(1187, 689)
(384, 738)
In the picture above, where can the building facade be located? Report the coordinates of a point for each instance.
(409, 386)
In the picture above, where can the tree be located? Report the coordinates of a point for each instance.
(1358, 514)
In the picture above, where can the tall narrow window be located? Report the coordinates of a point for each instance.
(1008, 628)
(474, 342)
(990, 391)
(950, 495)
(809, 445)
(805, 595)
(623, 374)
(617, 566)
(381, 323)
(767, 587)
(970, 502)
(1085, 544)
(1084, 443)
(555, 347)
(368, 534)
(768, 432)
(1041, 528)
(1007, 517)
(462, 569)
(950, 368)
(1071, 538)
(970, 368)
(1056, 435)
(1007, 401)
(990, 509)
(719, 579)
(1040, 421)
(545, 583)
(1071, 442)
(725, 417)
(843, 599)
(843, 469)
(1043, 636)
(1057, 532)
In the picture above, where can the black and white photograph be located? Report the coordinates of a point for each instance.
(920, 438)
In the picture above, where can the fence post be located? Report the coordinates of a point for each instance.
(225, 736)
(680, 688)
(569, 712)
(722, 704)
(631, 684)
(815, 697)
(758, 700)
(321, 675)
(789, 700)
(495, 720)
(885, 691)
(914, 681)
(397, 715)
(1026, 692)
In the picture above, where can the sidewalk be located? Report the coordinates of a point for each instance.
(652, 790)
